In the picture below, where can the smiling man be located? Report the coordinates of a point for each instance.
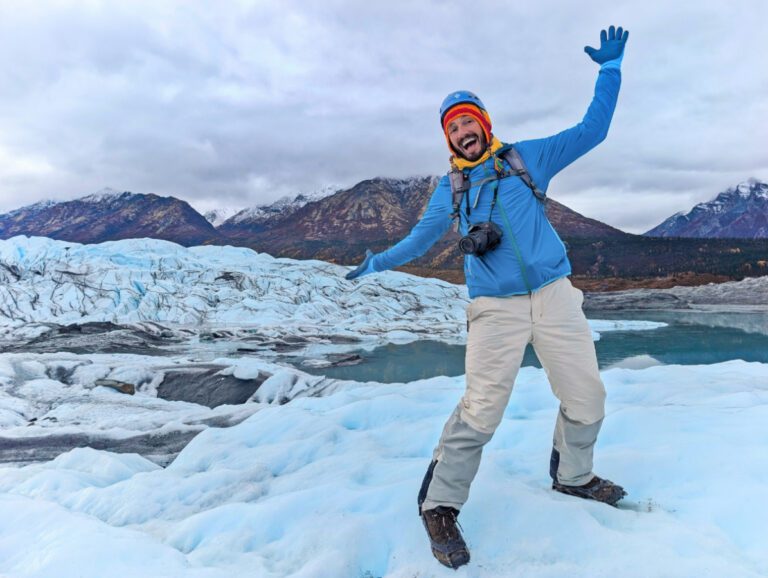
(467, 126)
(517, 269)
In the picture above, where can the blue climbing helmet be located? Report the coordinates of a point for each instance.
(459, 97)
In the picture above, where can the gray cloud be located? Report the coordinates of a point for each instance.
(239, 103)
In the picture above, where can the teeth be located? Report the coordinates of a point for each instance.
(468, 141)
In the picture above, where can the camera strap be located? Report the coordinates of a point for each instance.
(493, 200)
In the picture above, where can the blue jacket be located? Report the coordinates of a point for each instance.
(531, 253)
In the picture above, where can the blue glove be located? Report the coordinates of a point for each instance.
(611, 45)
(364, 268)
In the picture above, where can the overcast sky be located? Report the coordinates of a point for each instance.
(234, 104)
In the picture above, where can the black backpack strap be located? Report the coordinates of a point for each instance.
(518, 167)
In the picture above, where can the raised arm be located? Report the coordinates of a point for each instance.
(551, 155)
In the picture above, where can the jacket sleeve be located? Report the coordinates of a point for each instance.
(433, 224)
(548, 156)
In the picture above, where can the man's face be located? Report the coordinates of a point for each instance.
(467, 137)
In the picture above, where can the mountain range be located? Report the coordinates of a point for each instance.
(374, 214)
(740, 212)
(338, 225)
(110, 215)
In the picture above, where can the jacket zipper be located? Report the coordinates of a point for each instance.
(515, 246)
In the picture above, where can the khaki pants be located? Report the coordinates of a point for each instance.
(551, 320)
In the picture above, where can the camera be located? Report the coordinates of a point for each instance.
(480, 239)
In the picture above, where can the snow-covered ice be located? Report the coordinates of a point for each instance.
(326, 486)
(52, 402)
(315, 477)
(139, 280)
(605, 325)
(599, 326)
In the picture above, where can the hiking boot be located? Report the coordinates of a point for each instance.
(448, 546)
(596, 489)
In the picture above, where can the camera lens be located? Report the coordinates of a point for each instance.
(467, 245)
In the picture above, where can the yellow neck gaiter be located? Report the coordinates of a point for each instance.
(465, 164)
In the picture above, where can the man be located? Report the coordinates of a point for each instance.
(516, 270)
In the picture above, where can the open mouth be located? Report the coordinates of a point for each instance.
(470, 144)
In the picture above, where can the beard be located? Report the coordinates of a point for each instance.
(475, 150)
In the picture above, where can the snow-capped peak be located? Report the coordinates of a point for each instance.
(38, 206)
(407, 184)
(743, 190)
(747, 189)
(734, 213)
(218, 216)
(284, 205)
(751, 186)
(105, 194)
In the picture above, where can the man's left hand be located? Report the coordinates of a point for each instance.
(364, 268)
(611, 45)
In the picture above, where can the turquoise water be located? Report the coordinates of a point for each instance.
(689, 339)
